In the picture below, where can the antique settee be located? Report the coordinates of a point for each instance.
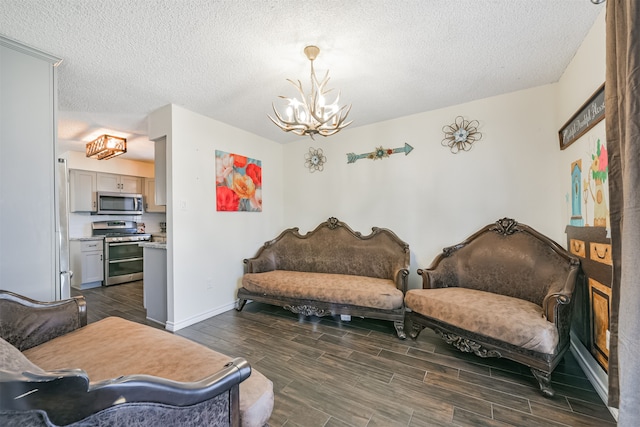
(57, 370)
(331, 270)
(506, 291)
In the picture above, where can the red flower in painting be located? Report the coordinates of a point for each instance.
(226, 199)
(603, 160)
(255, 173)
(239, 161)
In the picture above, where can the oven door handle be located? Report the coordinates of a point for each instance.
(125, 243)
(114, 261)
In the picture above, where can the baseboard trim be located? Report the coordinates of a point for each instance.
(176, 326)
(595, 374)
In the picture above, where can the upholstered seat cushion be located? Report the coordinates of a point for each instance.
(334, 288)
(512, 320)
(113, 347)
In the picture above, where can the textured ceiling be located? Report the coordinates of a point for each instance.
(229, 60)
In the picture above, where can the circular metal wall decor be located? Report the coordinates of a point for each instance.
(314, 160)
(461, 135)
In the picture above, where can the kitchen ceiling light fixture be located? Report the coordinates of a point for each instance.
(312, 115)
(106, 147)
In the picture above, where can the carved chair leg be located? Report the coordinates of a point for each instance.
(414, 330)
(241, 304)
(399, 325)
(544, 380)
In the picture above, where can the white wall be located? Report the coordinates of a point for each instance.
(206, 247)
(29, 231)
(585, 73)
(581, 79)
(432, 198)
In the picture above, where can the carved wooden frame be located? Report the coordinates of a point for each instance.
(556, 306)
(306, 307)
(541, 364)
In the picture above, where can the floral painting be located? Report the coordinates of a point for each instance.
(589, 196)
(594, 186)
(238, 183)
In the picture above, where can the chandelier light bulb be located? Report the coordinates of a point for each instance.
(311, 115)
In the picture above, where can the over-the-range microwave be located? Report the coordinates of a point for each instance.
(119, 203)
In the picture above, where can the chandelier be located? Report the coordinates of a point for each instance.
(312, 115)
(106, 146)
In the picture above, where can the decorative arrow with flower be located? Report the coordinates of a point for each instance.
(379, 153)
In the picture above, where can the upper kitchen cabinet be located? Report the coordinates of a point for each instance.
(118, 183)
(82, 191)
(150, 197)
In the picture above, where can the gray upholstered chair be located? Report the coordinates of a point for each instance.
(506, 291)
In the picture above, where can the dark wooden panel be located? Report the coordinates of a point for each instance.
(592, 302)
(600, 302)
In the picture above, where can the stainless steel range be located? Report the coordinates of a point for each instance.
(122, 255)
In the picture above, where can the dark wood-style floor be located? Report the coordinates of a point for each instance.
(331, 373)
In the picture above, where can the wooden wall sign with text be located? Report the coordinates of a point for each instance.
(584, 119)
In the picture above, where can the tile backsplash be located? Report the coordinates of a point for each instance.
(80, 223)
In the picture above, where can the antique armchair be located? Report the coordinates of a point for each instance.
(506, 291)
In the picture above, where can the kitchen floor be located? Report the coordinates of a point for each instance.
(124, 300)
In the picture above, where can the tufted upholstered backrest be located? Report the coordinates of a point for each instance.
(333, 247)
(507, 258)
(24, 327)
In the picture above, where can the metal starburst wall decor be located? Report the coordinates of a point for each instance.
(315, 159)
(461, 135)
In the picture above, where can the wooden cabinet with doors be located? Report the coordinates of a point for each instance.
(87, 263)
(150, 197)
(82, 191)
(118, 183)
(83, 186)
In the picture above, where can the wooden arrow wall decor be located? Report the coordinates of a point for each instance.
(379, 153)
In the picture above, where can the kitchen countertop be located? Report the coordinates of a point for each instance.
(153, 245)
(159, 237)
(87, 238)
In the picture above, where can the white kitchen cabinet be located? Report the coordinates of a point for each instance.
(150, 197)
(82, 191)
(118, 183)
(87, 263)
